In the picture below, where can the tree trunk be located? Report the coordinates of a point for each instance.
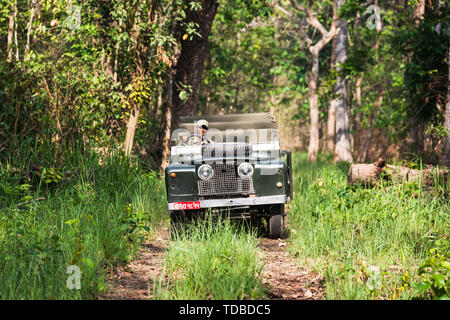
(11, 27)
(445, 156)
(419, 11)
(166, 124)
(331, 123)
(116, 56)
(357, 123)
(16, 40)
(131, 129)
(189, 67)
(313, 148)
(165, 107)
(358, 93)
(327, 36)
(134, 114)
(342, 147)
(34, 5)
(185, 73)
(371, 174)
(416, 132)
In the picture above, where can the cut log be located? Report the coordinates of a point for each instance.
(371, 174)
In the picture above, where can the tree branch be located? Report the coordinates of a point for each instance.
(315, 23)
(297, 6)
(276, 5)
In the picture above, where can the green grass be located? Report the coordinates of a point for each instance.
(366, 243)
(211, 260)
(93, 216)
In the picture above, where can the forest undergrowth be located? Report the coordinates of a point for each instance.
(91, 214)
(62, 228)
(387, 242)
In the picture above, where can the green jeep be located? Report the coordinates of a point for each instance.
(232, 165)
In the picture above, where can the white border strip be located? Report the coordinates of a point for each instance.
(213, 203)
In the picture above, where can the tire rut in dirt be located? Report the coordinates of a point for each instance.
(133, 281)
(282, 275)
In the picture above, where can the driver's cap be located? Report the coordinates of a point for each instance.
(202, 124)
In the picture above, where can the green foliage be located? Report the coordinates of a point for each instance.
(434, 273)
(238, 71)
(365, 242)
(70, 82)
(212, 260)
(426, 72)
(88, 64)
(243, 11)
(95, 219)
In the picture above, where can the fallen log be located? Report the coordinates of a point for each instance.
(373, 173)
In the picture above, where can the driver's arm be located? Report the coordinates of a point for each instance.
(205, 140)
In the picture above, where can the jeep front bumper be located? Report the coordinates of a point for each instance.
(231, 202)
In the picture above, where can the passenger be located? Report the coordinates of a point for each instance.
(199, 137)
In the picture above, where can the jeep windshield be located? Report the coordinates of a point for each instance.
(237, 137)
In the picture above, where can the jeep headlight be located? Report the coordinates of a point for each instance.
(205, 172)
(245, 170)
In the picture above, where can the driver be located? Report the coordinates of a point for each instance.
(199, 137)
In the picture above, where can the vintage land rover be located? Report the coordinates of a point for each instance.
(233, 167)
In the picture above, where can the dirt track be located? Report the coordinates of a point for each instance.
(132, 281)
(283, 277)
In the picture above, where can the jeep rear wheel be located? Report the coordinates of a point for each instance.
(275, 226)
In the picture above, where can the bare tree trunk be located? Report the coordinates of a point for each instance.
(419, 11)
(166, 125)
(331, 127)
(191, 60)
(445, 156)
(313, 148)
(166, 140)
(357, 125)
(131, 129)
(34, 5)
(165, 107)
(419, 136)
(11, 24)
(116, 55)
(358, 94)
(157, 107)
(331, 123)
(342, 148)
(185, 73)
(16, 41)
(327, 36)
(416, 133)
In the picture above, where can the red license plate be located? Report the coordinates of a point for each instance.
(191, 205)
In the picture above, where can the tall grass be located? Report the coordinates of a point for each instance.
(211, 260)
(367, 243)
(82, 213)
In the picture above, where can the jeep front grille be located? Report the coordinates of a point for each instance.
(225, 181)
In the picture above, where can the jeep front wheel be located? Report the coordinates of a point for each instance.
(275, 226)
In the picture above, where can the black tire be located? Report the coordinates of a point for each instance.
(275, 226)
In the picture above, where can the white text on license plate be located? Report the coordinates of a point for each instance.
(192, 205)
